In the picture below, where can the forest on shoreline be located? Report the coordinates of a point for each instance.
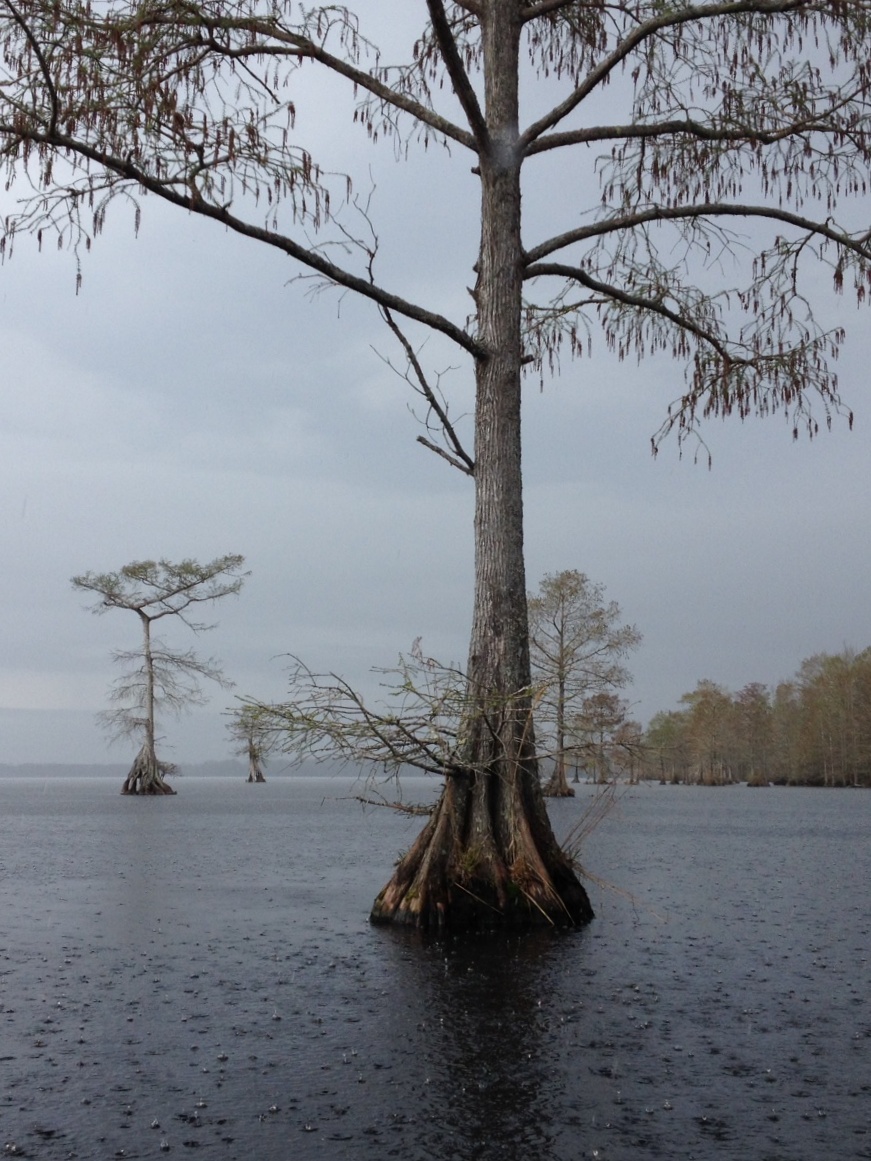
(812, 730)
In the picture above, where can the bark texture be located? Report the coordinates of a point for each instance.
(486, 859)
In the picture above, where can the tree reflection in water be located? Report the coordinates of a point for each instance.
(486, 1038)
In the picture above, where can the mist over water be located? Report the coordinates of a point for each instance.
(198, 973)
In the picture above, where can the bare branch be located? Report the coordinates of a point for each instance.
(623, 222)
(399, 807)
(644, 31)
(698, 129)
(289, 45)
(456, 71)
(326, 719)
(545, 8)
(457, 454)
(192, 200)
(446, 455)
(617, 294)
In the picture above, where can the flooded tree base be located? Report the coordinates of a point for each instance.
(557, 786)
(486, 860)
(147, 775)
(553, 789)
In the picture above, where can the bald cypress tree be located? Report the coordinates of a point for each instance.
(726, 129)
(158, 677)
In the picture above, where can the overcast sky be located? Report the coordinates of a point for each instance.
(192, 400)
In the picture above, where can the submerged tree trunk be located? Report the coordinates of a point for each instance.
(488, 856)
(255, 765)
(147, 774)
(557, 786)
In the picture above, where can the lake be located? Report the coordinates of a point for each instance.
(196, 976)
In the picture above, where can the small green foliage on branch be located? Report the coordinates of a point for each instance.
(418, 725)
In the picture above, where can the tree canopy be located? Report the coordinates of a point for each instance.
(812, 729)
(717, 115)
(578, 647)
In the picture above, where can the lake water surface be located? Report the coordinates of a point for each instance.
(196, 976)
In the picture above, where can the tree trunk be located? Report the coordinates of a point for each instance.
(255, 766)
(488, 856)
(146, 774)
(148, 659)
(557, 786)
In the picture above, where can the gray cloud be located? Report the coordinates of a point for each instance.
(191, 400)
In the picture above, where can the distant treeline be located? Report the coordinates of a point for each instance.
(814, 730)
(231, 768)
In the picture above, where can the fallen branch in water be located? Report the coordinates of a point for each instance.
(402, 807)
